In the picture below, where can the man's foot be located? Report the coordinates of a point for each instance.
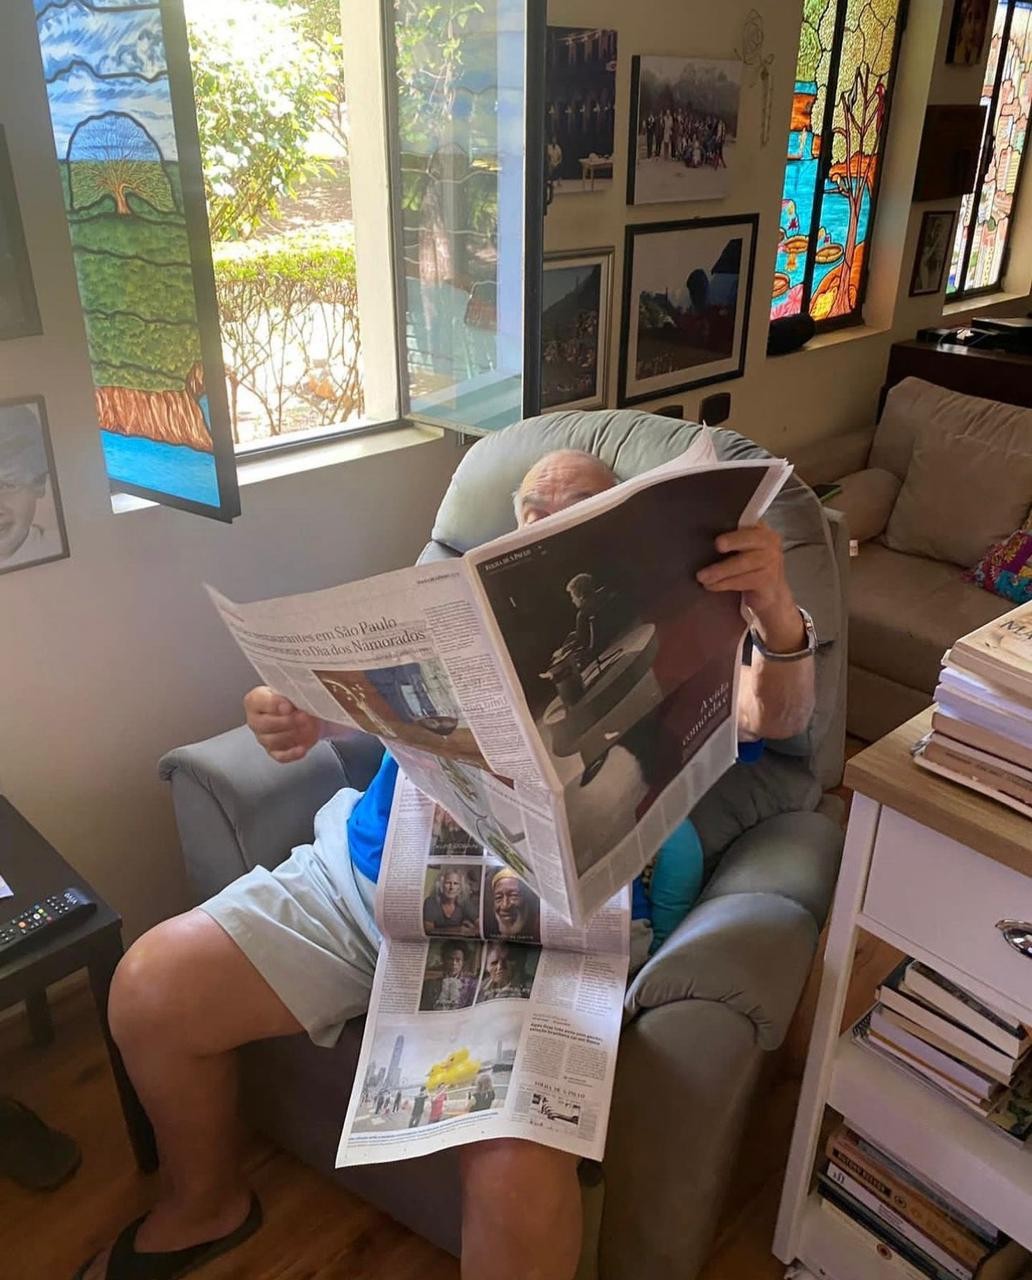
(165, 1245)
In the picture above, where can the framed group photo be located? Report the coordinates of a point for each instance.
(577, 302)
(19, 312)
(683, 129)
(686, 299)
(32, 529)
(934, 246)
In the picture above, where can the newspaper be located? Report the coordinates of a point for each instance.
(566, 692)
(491, 1016)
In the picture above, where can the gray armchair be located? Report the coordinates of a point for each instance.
(699, 1016)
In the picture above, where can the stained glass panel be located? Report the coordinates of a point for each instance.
(142, 258)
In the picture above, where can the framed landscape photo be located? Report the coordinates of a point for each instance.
(684, 126)
(580, 110)
(577, 295)
(967, 32)
(19, 313)
(934, 244)
(32, 529)
(686, 298)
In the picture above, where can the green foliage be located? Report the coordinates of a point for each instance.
(114, 284)
(159, 240)
(262, 86)
(429, 57)
(321, 264)
(122, 181)
(147, 355)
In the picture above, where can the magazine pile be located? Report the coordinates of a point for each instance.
(982, 724)
(564, 694)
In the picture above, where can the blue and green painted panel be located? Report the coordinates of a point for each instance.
(129, 168)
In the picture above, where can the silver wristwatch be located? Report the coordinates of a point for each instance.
(798, 654)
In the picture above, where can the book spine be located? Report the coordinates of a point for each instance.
(884, 1250)
(897, 1222)
(904, 1200)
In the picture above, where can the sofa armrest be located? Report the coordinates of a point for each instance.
(236, 808)
(824, 461)
(866, 501)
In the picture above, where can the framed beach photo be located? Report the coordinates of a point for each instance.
(684, 126)
(19, 312)
(32, 529)
(967, 32)
(934, 244)
(577, 296)
(686, 298)
(580, 110)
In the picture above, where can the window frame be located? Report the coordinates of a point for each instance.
(856, 316)
(985, 159)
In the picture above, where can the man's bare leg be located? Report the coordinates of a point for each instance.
(183, 998)
(521, 1212)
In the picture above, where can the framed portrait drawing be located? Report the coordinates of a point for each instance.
(967, 32)
(684, 125)
(19, 313)
(577, 297)
(32, 529)
(686, 299)
(934, 245)
(580, 110)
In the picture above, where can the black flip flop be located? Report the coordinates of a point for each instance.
(32, 1154)
(126, 1264)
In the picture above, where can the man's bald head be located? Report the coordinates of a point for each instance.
(558, 481)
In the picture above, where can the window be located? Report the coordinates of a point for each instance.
(980, 252)
(206, 157)
(844, 80)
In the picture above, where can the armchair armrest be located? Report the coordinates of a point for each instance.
(866, 501)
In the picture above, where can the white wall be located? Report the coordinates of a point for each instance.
(833, 385)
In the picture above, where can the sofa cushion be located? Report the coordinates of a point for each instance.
(866, 500)
(913, 403)
(905, 612)
(961, 495)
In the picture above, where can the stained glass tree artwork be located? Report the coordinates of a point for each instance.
(979, 254)
(847, 52)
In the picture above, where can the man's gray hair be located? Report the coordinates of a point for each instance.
(571, 455)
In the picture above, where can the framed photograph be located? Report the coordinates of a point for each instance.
(934, 245)
(580, 110)
(32, 529)
(684, 123)
(687, 292)
(575, 329)
(967, 32)
(19, 313)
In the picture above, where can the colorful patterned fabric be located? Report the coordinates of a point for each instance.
(1006, 568)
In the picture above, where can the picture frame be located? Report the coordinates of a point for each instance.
(687, 297)
(967, 32)
(19, 310)
(932, 255)
(32, 527)
(580, 110)
(576, 329)
(683, 128)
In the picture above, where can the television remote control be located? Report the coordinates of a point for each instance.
(42, 920)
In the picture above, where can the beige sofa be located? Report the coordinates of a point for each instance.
(941, 478)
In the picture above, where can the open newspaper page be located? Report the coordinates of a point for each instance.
(490, 1015)
(625, 665)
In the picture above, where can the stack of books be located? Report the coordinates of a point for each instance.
(982, 723)
(977, 1055)
(915, 1225)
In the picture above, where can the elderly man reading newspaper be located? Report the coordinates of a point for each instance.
(295, 949)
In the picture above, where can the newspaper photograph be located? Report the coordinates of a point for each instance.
(490, 1016)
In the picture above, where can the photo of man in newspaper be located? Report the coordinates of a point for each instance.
(443, 1068)
(615, 654)
(451, 977)
(450, 840)
(452, 903)
(413, 703)
(512, 910)
(509, 969)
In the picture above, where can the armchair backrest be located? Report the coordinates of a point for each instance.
(478, 506)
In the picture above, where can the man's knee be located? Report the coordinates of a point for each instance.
(151, 982)
(507, 1171)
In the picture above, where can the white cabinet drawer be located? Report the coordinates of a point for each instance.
(946, 898)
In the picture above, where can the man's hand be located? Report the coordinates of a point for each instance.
(285, 732)
(755, 565)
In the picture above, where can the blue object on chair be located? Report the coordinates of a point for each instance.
(676, 881)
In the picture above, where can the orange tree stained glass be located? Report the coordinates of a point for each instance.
(844, 75)
(980, 251)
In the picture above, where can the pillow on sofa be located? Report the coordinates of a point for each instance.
(866, 500)
(960, 496)
(1006, 568)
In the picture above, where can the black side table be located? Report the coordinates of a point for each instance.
(35, 870)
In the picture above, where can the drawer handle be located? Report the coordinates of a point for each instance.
(1017, 934)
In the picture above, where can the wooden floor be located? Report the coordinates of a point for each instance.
(314, 1230)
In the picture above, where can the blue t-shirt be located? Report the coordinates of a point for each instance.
(367, 826)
